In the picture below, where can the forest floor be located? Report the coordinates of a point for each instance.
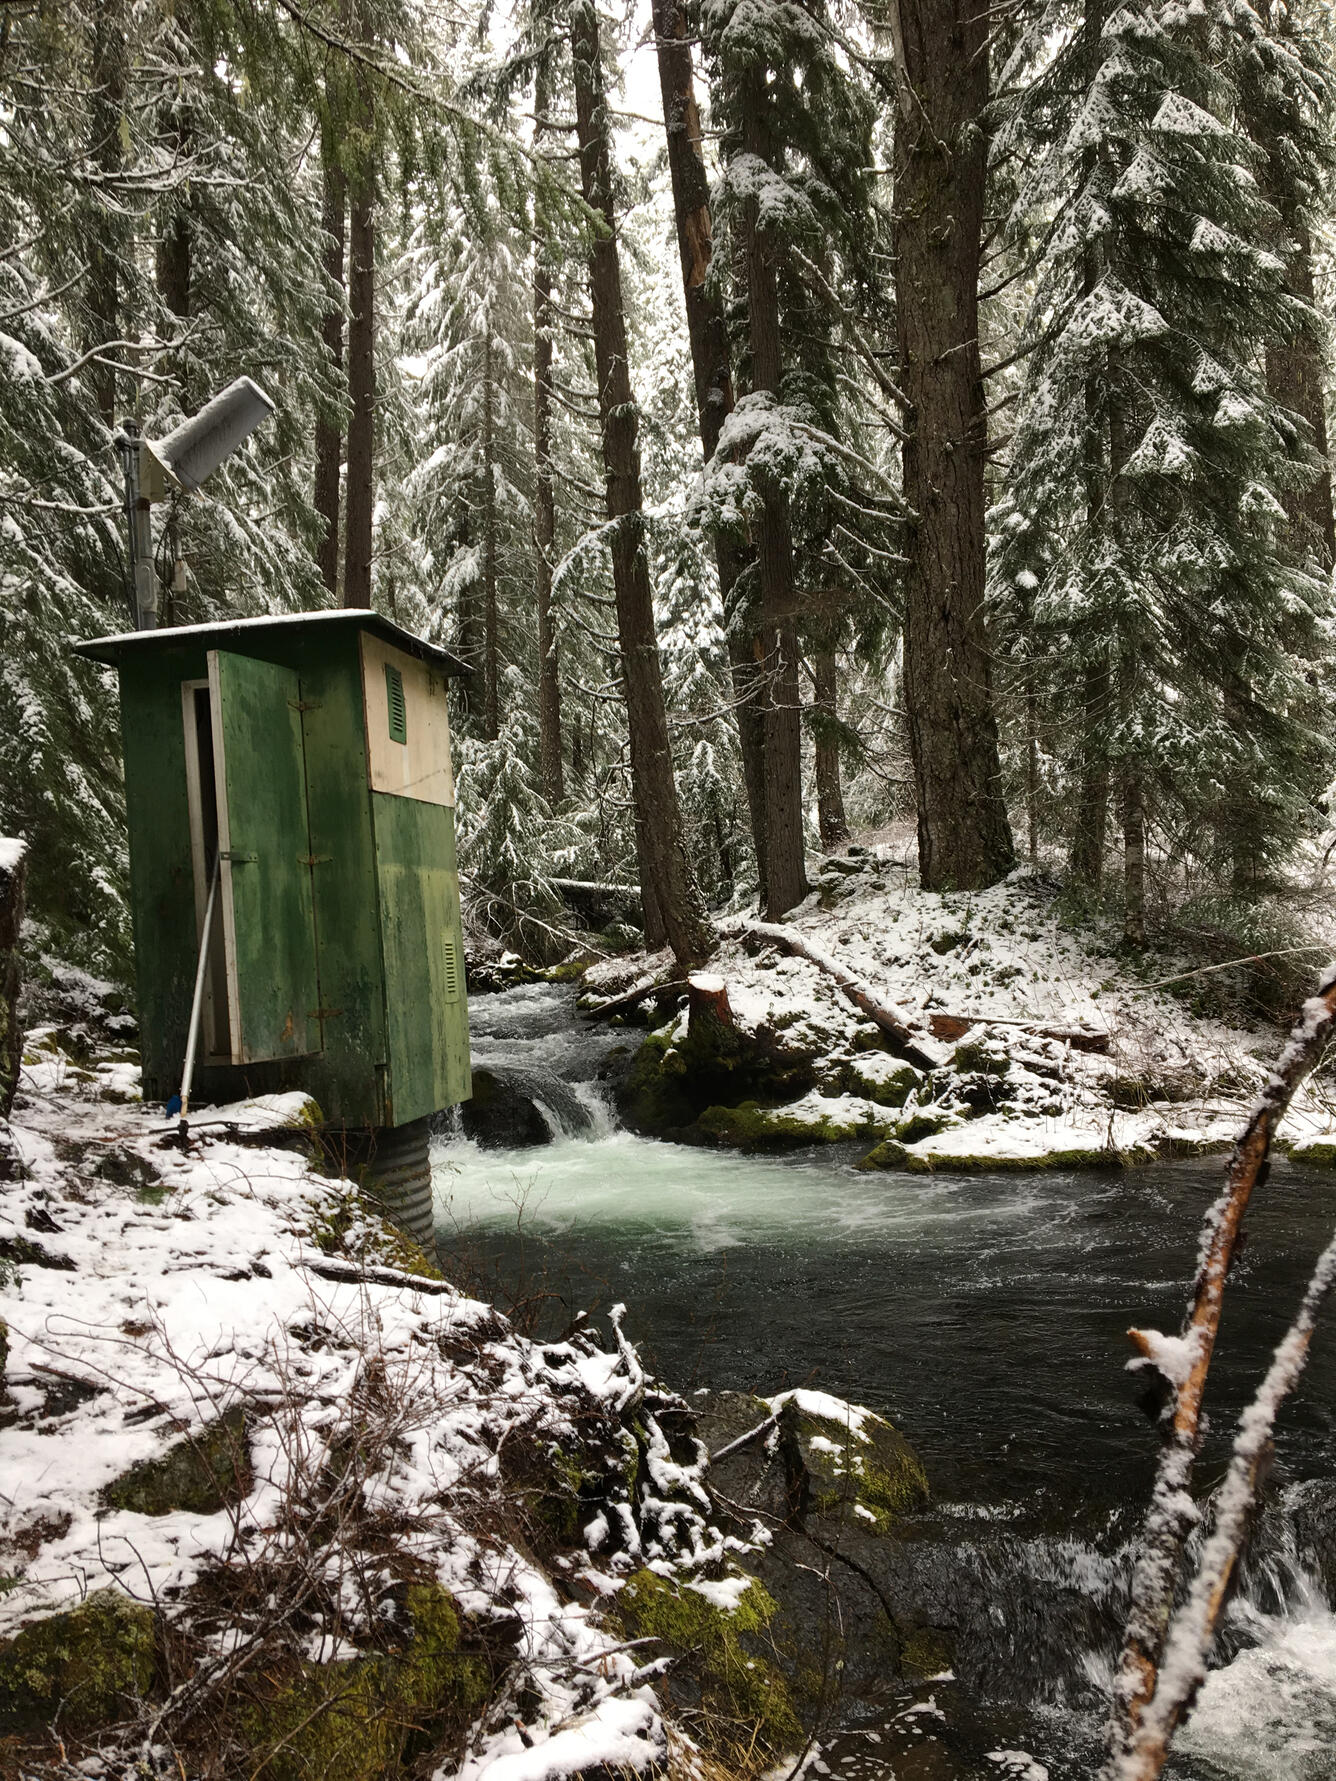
(1049, 1043)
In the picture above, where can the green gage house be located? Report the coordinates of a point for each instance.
(309, 755)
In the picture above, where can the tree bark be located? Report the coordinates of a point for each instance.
(829, 793)
(1134, 856)
(1086, 862)
(361, 494)
(329, 432)
(964, 835)
(711, 363)
(1171, 1515)
(102, 287)
(1294, 377)
(786, 874)
(491, 668)
(666, 882)
(12, 874)
(544, 512)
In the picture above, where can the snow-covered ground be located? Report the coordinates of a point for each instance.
(1081, 1056)
(148, 1292)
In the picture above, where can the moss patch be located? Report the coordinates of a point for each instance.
(355, 1721)
(72, 1672)
(742, 1697)
(870, 1468)
(753, 1127)
(202, 1473)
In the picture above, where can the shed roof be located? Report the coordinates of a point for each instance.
(113, 650)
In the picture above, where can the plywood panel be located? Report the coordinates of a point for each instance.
(265, 847)
(419, 767)
(425, 1006)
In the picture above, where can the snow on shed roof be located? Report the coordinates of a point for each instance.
(113, 649)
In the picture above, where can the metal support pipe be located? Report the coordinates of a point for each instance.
(197, 1005)
(139, 530)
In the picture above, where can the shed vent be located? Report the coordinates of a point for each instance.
(394, 696)
(450, 978)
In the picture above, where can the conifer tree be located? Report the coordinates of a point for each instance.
(1152, 458)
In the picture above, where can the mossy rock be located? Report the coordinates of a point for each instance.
(358, 1720)
(678, 1075)
(986, 1056)
(877, 1077)
(863, 1469)
(752, 1127)
(744, 1701)
(79, 1670)
(927, 1652)
(1320, 1152)
(892, 1154)
(201, 1474)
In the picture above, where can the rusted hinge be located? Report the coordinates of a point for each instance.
(322, 1013)
(304, 704)
(314, 859)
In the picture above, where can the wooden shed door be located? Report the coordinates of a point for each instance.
(264, 841)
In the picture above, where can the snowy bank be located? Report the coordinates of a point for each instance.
(951, 1030)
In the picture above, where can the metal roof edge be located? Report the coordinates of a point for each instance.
(113, 649)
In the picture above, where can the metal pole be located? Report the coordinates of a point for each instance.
(197, 1006)
(139, 525)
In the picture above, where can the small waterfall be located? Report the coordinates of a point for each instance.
(533, 1054)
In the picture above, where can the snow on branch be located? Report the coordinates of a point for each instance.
(1183, 1362)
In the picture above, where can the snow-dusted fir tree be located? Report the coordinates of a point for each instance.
(153, 256)
(796, 123)
(1144, 522)
(467, 508)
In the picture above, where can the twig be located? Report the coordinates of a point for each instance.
(1171, 1514)
(1253, 958)
(1193, 1628)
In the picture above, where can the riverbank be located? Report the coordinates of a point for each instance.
(280, 1500)
(1024, 1041)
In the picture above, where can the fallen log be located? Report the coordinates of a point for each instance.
(633, 997)
(916, 1044)
(955, 1026)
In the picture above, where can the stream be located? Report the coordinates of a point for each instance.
(985, 1315)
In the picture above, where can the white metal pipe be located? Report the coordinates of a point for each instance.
(197, 1006)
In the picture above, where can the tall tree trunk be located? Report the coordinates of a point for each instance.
(544, 508)
(964, 835)
(1134, 856)
(829, 793)
(1294, 377)
(491, 667)
(786, 874)
(1086, 862)
(361, 494)
(329, 431)
(710, 359)
(665, 871)
(102, 287)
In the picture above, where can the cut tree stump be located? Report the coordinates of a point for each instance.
(708, 1009)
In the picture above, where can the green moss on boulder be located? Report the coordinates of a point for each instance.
(75, 1671)
(721, 1653)
(753, 1127)
(862, 1468)
(357, 1720)
(203, 1473)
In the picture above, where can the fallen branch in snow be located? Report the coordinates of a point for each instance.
(955, 1026)
(1192, 1630)
(918, 1046)
(632, 998)
(1183, 1363)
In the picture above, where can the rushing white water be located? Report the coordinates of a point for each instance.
(984, 1314)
